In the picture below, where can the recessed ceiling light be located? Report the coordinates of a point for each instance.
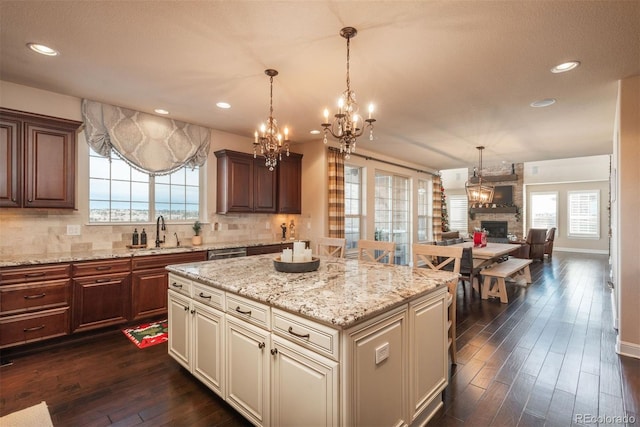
(161, 111)
(42, 49)
(565, 66)
(543, 102)
(315, 132)
(223, 105)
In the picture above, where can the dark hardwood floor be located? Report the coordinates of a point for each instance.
(546, 358)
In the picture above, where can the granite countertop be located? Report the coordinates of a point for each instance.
(340, 293)
(51, 257)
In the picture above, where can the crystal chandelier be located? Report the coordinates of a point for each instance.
(268, 138)
(479, 194)
(344, 126)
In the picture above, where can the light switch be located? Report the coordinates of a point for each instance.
(382, 353)
(73, 229)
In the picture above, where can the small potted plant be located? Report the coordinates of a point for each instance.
(197, 239)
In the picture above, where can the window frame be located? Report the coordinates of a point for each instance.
(428, 209)
(532, 194)
(360, 215)
(406, 252)
(464, 212)
(571, 220)
(151, 193)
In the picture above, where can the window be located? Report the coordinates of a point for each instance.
(458, 213)
(120, 193)
(392, 213)
(425, 212)
(544, 210)
(352, 205)
(584, 218)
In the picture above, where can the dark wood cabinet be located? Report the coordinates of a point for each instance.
(290, 184)
(245, 184)
(150, 282)
(39, 157)
(100, 293)
(271, 249)
(34, 303)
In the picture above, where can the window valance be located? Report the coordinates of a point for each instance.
(153, 144)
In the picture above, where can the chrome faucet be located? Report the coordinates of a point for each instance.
(159, 221)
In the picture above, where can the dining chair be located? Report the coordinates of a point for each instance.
(376, 251)
(469, 273)
(548, 244)
(438, 258)
(331, 247)
(535, 239)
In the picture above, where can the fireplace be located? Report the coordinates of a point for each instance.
(497, 231)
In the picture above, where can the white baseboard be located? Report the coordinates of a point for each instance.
(627, 348)
(582, 251)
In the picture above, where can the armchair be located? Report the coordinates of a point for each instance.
(536, 238)
(548, 244)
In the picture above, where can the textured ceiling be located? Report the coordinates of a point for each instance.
(445, 76)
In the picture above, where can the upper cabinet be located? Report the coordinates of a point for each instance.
(245, 184)
(38, 155)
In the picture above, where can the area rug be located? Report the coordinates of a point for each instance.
(148, 334)
(34, 416)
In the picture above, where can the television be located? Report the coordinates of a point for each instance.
(503, 195)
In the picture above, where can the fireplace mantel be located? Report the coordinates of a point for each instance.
(502, 209)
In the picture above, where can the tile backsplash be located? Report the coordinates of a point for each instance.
(39, 231)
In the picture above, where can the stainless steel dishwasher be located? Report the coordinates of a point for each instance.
(226, 253)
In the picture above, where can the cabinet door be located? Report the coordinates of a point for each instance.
(247, 361)
(265, 181)
(149, 293)
(429, 360)
(295, 369)
(208, 347)
(378, 376)
(234, 182)
(290, 184)
(50, 165)
(10, 163)
(100, 301)
(179, 329)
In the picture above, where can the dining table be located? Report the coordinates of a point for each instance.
(484, 256)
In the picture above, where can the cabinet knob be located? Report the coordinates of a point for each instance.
(261, 345)
(274, 351)
(29, 201)
(186, 309)
(193, 312)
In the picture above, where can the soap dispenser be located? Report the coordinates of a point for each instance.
(143, 238)
(135, 237)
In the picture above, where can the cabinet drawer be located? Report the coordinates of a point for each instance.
(309, 334)
(209, 296)
(180, 284)
(34, 274)
(26, 328)
(249, 310)
(94, 268)
(28, 297)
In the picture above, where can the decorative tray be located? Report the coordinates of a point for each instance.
(296, 267)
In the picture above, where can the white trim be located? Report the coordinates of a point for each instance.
(582, 251)
(627, 348)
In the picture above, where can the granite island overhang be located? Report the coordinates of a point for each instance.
(341, 293)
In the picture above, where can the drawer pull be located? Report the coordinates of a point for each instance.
(35, 328)
(261, 345)
(42, 295)
(103, 267)
(175, 285)
(297, 334)
(248, 313)
(34, 274)
(102, 280)
(274, 351)
(201, 295)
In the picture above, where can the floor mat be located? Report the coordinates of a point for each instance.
(148, 334)
(37, 415)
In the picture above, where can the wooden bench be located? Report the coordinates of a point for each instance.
(513, 268)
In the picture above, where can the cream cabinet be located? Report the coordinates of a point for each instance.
(293, 370)
(248, 349)
(179, 307)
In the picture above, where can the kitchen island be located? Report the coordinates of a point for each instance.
(350, 344)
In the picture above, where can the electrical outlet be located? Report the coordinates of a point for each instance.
(382, 353)
(73, 230)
